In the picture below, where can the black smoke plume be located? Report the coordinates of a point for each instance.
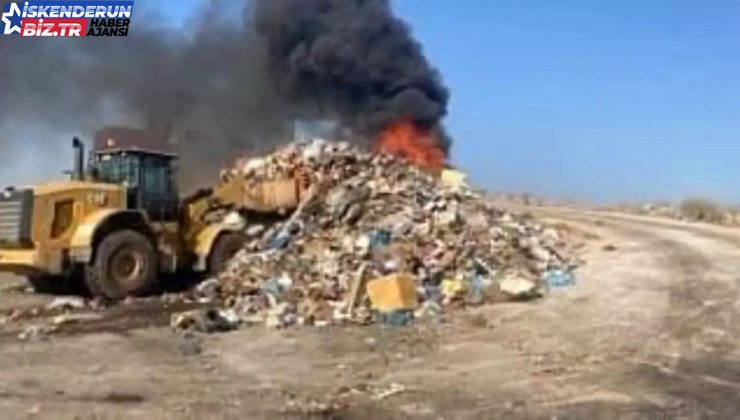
(352, 60)
(225, 85)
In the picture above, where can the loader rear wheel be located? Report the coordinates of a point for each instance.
(51, 285)
(226, 246)
(125, 264)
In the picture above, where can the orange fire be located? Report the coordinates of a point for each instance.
(413, 143)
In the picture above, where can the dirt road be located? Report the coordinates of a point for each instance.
(649, 331)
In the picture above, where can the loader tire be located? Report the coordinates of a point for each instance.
(125, 264)
(226, 246)
(51, 285)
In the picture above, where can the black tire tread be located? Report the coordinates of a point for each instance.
(97, 285)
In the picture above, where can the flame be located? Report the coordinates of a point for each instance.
(413, 143)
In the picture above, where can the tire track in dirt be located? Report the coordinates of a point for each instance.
(702, 377)
(702, 319)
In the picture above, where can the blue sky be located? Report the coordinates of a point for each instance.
(602, 100)
(605, 100)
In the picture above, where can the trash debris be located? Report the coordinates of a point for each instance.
(454, 179)
(312, 407)
(277, 286)
(559, 278)
(208, 289)
(393, 389)
(452, 289)
(36, 332)
(392, 293)
(357, 289)
(397, 318)
(429, 310)
(67, 318)
(380, 238)
(519, 288)
(62, 320)
(366, 219)
(66, 303)
(480, 288)
(205, 320)
(280, 316)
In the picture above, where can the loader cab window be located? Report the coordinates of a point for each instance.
(149, 177)
(119, 169)
(157, 193)
(156, 177)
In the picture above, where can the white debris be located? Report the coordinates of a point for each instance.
(518, 287)
(66, 303)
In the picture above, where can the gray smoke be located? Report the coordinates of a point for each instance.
(352, 60)
(206, 84)
(227, 85)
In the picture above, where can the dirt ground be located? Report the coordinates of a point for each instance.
(649, 331)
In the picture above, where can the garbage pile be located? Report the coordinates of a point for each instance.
(378, 240)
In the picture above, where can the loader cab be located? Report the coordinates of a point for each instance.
(149, 178)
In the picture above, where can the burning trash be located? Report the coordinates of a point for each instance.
(412, 143)
(379, 238)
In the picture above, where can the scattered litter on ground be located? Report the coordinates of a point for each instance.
(308, 406)
(209, 320)
(36, 332)
(393, 389)
(66, 303)
(68, 318)
(62, 320)
(559, 278)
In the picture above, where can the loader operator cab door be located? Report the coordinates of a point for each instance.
(149, 178)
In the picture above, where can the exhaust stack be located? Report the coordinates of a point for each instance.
(78, 171)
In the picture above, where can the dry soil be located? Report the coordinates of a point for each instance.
(650, 330)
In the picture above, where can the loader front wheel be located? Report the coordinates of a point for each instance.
(125, 264)
(226, 246)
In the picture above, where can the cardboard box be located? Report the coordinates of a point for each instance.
(392, 293)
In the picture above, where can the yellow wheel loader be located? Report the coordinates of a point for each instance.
(120, 224)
